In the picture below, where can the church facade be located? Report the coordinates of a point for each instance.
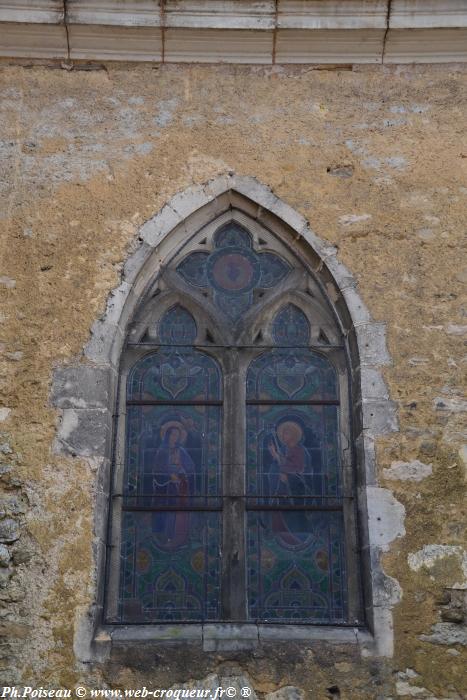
(233, 324)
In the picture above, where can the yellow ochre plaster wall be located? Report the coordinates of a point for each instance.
(376, 160)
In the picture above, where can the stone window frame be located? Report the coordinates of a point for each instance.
(298, 289)
(85, 392)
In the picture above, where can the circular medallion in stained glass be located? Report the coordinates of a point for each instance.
(233, 270)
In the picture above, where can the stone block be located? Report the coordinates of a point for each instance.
(306, 633)
(219, 14)
(187, 202)
(113, 42)
(135, 262)
(383, 634)
(454, 404)
(40, 11)
(386, 591)
(340, 273)
(115, 303)
(332, 14)
(408, 471)
(101, 513)
(262, 195)
(385, 517)
(12, 505)
(373, 385)
(5, 555)
(154, 230)
(144, 13)
(379, 417)
(184, 45)
(83, 432)
(447, 633)
(230, 637)
(330, 46)
(219, 185)
(157, 633)
(357, 309)
(371, 339)
(105, 344)
(9, 530)
(81, 386)
(366, 457)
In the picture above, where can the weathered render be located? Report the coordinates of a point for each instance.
(100, 168)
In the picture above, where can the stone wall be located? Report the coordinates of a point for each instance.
(374, 159)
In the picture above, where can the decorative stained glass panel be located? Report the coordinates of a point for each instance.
(296, 566)
(171, 526)
(291, 327)
(172, 454)
(233, 270)
(170, 566)
(291, 374)
(174, 373)
(177, 326)
(296, 563)
(232, 234)
(292, 452)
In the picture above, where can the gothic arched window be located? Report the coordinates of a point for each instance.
(233, 484)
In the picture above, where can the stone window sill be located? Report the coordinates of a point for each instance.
(225, 636)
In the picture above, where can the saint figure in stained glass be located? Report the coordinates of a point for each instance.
(292, 470)
(174, 478)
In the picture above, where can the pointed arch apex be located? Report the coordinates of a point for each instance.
(189, 201)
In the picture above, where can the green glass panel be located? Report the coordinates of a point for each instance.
(296, 567)
(170, 567)
(285, 375)
(174, 373)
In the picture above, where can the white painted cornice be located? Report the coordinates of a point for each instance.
(32, 11)
(332, 14)
(428, 14)
(236, 31)
(124, 13)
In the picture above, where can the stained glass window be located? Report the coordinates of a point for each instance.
(230, 502)
(296, 563)
(170, 540)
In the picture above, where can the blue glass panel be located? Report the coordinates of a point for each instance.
(193, 269)
(170, 566)
(234, 306)
(174, 373)
(290, 327)
(296, 566)
(293, 451)
(233, 270)
(172, 454)
(291, 374)
(273, 269)
(232, 234)
(177, 327)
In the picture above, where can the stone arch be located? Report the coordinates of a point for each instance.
(85, 392)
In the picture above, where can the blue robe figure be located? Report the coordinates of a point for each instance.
(173, 483)
(289, 476)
